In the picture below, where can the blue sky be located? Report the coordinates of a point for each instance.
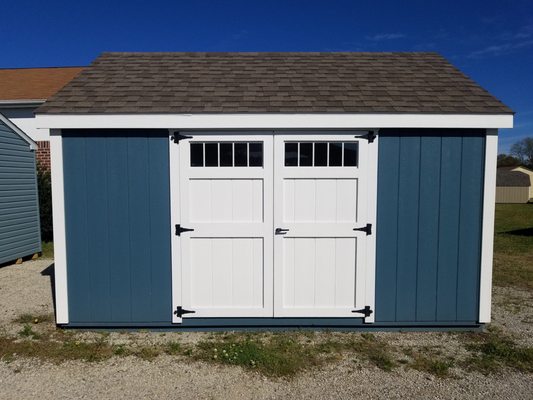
(491, 41)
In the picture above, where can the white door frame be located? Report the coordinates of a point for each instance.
(371, 200)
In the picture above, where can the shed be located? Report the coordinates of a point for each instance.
(242, 190)
(512, 185)
(20, 234)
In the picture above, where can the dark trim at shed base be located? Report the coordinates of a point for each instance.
(282, 324)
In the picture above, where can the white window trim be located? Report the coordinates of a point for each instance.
(272, 121)
(58, 210)
(487, 239)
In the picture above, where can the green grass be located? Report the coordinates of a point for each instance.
(493, 350)
(285, 354)
(513, 245)
(47, 249)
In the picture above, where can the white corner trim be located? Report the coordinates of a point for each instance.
(272, 121)
(174, 175)
(18, 131)
(58, 209)
(487, 237)
(372, 196)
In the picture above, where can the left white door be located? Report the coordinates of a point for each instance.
(225, 197)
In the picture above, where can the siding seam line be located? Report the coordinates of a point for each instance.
(459, 229)
(397, 229)
(436, 316)
(418, 227)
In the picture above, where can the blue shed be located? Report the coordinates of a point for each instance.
(245, 190)
(20, 234)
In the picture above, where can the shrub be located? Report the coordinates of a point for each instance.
(44, 183)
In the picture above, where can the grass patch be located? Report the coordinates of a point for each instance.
(432, 365)
(494, 350)
(54, 351)
(47, 249)
(28, 332)
(34, 319)
(284, 355)
(277, 355)
(513, 245)
(375, 351)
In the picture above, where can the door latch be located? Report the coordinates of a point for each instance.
(367, 229)
(180, 230)
(281, 231)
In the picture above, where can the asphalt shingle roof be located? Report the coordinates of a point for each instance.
(34, 83)
(507, 177)
(272, 83)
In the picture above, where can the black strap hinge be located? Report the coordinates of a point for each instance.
(180, 230)
(365, 311)
(367, 229)
(177, 136)
(180, 311)
(370, 136)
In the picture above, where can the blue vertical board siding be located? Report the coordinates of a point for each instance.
(19, 206)
(387, 223)
(428, 227)
(117, 212)
(450, 203)
(408, 199)
(470, 229)
(430, 201)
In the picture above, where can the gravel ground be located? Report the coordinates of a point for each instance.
(26, 289)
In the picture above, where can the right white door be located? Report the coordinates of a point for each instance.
(320, 197)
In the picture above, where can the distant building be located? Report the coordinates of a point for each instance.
(513, 185)
(22, 90)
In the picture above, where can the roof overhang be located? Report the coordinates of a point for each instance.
(18, 131)
(27, 103)
(272, 121)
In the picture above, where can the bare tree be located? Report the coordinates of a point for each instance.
(523, 150)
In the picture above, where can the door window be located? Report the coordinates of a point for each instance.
(321, 154)
(227, 154)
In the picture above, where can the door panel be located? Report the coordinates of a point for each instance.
(226, 197)
(319, 198)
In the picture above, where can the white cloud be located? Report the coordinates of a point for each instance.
(385, 36)
(500, 49)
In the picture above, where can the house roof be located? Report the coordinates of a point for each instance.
(505, 176)
(33, 84)
(177, 83)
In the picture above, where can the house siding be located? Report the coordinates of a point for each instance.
(512, 194)
(19, 205)
(117, 207)
(430, 200)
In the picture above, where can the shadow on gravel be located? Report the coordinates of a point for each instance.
(49, 271)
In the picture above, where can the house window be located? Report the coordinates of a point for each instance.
(321, 154)
(227, 154)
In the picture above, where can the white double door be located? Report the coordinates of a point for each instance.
(266, 225)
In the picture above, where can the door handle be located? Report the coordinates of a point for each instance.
(281, 231)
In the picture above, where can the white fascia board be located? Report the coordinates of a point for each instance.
(272, 121)
(18, 131)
